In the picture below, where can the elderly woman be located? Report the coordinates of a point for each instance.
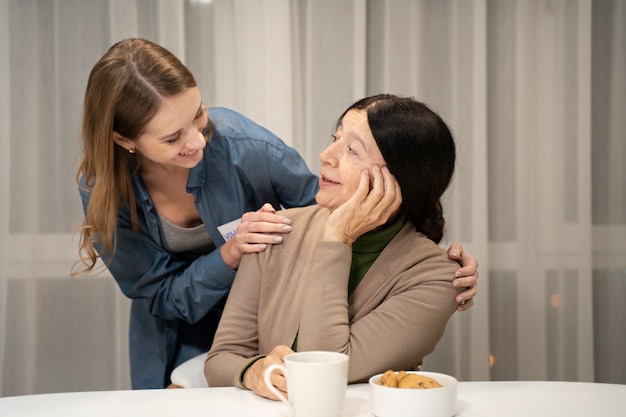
(361, 272)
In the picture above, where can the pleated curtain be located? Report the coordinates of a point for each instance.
(533, 90)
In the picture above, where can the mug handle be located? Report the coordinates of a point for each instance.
(271, 387)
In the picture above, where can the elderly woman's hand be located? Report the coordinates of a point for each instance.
(367, 209)
(253, 378)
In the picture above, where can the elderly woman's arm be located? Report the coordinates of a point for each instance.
(396, 316)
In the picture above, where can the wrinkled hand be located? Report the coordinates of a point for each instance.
(253, 378)
(467, 276)
(256, 230)
(367, 208)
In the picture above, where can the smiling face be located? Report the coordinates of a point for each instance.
(173, 137)
(351, 150)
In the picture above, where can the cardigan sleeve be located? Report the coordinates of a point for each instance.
(236, 342)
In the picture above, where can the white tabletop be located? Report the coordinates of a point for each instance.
(474, 399)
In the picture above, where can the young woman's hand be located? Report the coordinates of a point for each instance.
(369, 207)
(253, 378)
(466, 276)
(256, 230)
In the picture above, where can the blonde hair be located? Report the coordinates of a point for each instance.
(124, 91)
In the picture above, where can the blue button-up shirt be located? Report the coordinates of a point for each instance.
(177, 302)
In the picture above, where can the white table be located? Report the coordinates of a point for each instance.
(475, 399)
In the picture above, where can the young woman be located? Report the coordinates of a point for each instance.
(174, 195)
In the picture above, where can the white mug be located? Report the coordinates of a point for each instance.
(316, 383)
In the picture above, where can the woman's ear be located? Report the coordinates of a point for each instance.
(123, 142)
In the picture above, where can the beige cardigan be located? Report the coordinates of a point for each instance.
(394, 318)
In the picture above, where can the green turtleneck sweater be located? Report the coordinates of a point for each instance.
(366, 249)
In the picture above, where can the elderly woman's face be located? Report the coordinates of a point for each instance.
(351, 150)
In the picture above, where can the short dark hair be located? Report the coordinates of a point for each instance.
(419, 150)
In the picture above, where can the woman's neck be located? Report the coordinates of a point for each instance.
(163, 172)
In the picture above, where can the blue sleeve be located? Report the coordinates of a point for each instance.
(176, 289)
(292, 181)
(272, 168)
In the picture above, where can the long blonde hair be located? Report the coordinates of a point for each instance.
(124, 91)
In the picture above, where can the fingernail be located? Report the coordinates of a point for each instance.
(262, 246)
(376, 168)
(277, 239)
(457, 274)
(287, 228)
(287, 221)
(459, 300)
(454, 253)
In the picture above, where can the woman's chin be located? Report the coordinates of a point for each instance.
(321, 201)
(331, 201)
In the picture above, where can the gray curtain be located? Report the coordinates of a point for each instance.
(534, 91)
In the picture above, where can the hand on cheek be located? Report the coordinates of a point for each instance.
(375, 201)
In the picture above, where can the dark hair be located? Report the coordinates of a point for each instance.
(419, 151)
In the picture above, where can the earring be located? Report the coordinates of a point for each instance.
(132, 150)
